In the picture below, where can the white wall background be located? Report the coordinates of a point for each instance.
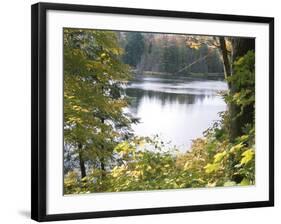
(15, 110)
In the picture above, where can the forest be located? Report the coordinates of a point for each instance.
(168, 53)
(103, 153)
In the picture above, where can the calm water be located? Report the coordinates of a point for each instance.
(178, 109)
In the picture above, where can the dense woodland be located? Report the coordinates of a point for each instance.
(102, 154)
(168, 53)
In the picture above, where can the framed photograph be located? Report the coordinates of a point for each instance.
(140, 111)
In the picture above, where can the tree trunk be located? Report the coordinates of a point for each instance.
(102, 165)
(234, 126)
(81, 161)
(240, 47)
(226, 62)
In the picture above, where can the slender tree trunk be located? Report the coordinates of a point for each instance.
(81, 161)
(102, 163)
(233, 109)
(226, 62)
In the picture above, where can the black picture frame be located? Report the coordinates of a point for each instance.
(39, 108)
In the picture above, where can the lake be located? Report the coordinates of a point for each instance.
(178, 109)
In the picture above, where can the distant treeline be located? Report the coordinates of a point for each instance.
(168, 53)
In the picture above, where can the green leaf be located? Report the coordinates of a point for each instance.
(245, 182)
(229, 184)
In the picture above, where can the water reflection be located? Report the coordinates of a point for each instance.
(138, 95)
(178, 109)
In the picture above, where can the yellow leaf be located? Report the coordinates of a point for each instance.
(209, 168)
(236, 147)
(248, 155)
(219, 156)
